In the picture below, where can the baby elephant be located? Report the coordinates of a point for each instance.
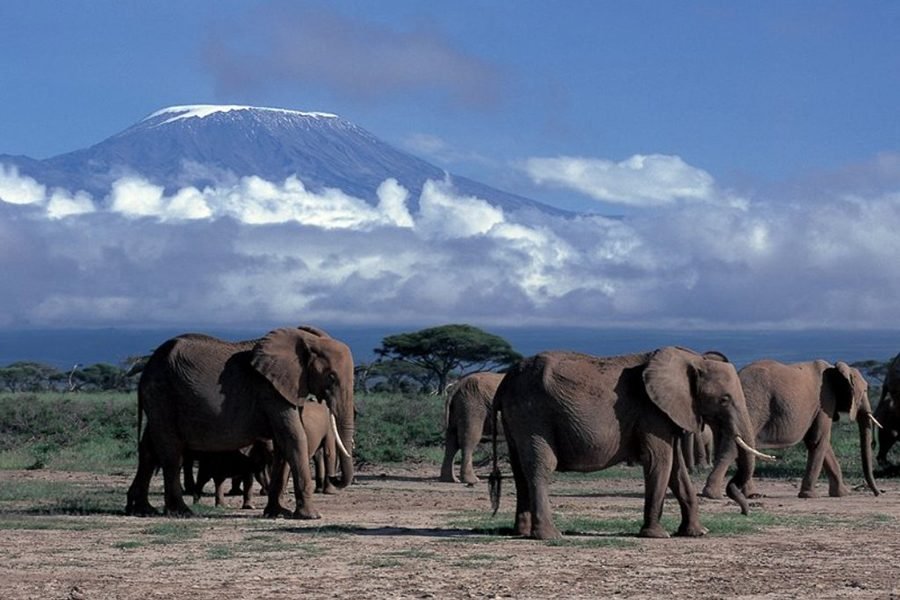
(247, 463)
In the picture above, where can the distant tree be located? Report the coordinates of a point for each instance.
(101, 377)
(27, 376)
(449, 350)
(393, 376)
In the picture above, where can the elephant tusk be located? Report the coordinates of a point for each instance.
(875, 421)
(740, 442)
(338, 440)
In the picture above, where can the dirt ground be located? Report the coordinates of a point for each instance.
(399, 533)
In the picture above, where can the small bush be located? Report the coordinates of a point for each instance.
(398, 427)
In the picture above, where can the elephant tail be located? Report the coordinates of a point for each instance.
(494, 481)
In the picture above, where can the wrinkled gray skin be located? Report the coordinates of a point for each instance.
(243, 464)
(698, 448)
(790, 403)
(200, 393)
(468, 420)
(564, 411)
(888, 411)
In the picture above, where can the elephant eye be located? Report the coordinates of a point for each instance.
(331, 379)
(726, 399)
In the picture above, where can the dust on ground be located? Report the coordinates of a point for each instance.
(399, 533)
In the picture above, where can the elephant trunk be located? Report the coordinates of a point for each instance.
(746, 463)
(346, 432)
(865, 449)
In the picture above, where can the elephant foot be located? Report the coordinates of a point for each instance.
(330, 490)
(247, 506)
(470, 479)
(837, 492)
(141, 509)
(179, 512)
(448, 478)
(306, 514)
(653, 531)
(276, 511)
(545, 532)
(808, 494)
(693, 530)
(712, 493)
(523, 524)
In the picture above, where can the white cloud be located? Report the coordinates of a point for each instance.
(20, 189)
(136, 197)
(278, 252)
(64, 204)
(444, 215)
(652, 180)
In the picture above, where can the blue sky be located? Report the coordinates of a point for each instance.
(748, 152)
(754, 94)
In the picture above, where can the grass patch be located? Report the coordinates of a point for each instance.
(220, 552)
(61, 498)
(173, 531)
(45, 524)
(477, 561)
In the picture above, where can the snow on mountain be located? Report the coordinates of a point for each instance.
(215, 145)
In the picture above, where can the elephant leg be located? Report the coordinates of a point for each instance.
(836, 486)
(466, 468)
(451, 447)
(657, 458)
(817, 441)
(319, 464)
(277, 483)
(138, 502)
(538, 466)
(175, 506)
(189, 483)
(683, 490)
(247, 481)
(235, 487)
(689, 449)
(523, 495)
(725, 455)
(292, 444)
(329, 465)
(219, 482)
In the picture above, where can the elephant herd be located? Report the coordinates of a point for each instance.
(558, 411)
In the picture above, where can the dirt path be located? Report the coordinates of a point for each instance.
(399, 533)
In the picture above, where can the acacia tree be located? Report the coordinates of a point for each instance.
(449, 349)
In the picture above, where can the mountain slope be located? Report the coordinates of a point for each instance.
(207, 145)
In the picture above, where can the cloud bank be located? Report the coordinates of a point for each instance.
(255, 251)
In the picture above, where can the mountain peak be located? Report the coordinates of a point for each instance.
(202, 111)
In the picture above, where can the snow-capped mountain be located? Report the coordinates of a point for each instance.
(210, 145)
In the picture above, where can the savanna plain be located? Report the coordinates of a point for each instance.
(66, 462)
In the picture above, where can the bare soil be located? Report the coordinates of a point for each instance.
(399, 533)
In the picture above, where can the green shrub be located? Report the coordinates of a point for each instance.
(398, 427)
(91, 432)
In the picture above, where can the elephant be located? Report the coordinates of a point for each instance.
(200, 393)
(698, 448)
(467, 420)
(322, 446)
(888, 411)
(789, 403)
(566, 411)
(244, 465)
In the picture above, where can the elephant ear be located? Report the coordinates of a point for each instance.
(846, 372)
(281, 357)
(668, 379)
